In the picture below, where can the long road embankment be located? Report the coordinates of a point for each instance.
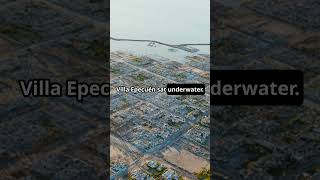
(179, 46)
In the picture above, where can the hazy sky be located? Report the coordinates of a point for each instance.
(172, 21)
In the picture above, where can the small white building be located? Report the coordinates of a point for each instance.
(153, 164)
(170, 175)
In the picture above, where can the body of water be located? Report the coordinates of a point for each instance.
(168, 21)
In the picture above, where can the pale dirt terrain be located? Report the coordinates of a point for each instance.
(185, 160)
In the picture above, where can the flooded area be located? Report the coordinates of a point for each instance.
(168, 21)
(159, 52)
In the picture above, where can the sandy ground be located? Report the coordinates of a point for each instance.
(185, 160)
(122, 151)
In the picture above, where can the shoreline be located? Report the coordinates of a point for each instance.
(183, 47)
